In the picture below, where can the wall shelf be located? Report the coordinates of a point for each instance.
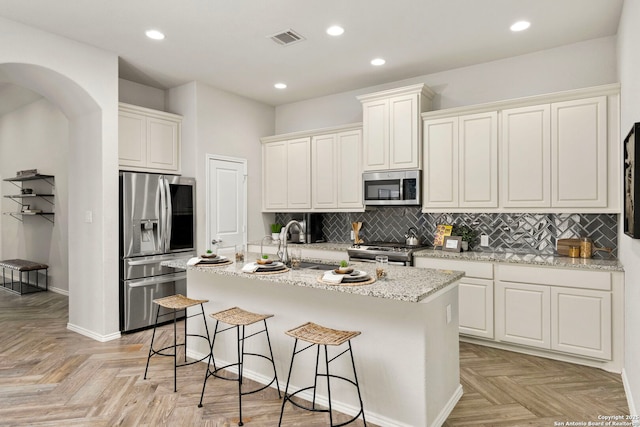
(20, 198)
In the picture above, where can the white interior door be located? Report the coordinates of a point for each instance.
(226, 201)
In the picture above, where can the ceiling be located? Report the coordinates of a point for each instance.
(226, 44)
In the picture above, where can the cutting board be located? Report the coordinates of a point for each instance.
(563, 246)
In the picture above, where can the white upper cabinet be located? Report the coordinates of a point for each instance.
(315, 171)
(391, 127)
(579, 153)
(526, 157)
(336, 171)
(286, 183)
(461, 161)
(478, 157)
(557, 153)
(148, 140)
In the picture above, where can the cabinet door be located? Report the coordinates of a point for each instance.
(274, 175)
(440, 189)
(324, 171)
(132, 139)
(526, 161)
(475, 298)
(478, 157)
(349, 185)
(581, 322)
(163, 143)
(579, 153)
(523, 314)
(404, 132)
(375, 122)
(299, 173)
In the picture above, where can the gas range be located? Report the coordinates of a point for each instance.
(398, 253)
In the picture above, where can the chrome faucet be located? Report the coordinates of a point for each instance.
(284, 254)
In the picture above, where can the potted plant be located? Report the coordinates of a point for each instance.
(344, 268)
(264, 260)
(468, 235)
(275, 232)
(209, 254)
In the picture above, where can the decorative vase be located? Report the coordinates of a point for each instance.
(465, 246)
(275, 236)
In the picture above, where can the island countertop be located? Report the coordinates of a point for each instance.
(402, 284)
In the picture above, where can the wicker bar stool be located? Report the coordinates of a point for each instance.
(317, 335)
(176, 303)
(238, 319)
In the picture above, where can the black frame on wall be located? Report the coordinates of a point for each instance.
(632, 183)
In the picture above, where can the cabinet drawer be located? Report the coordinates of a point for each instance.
(481, 270)
(599, 280)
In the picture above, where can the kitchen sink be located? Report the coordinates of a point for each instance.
(318, 265)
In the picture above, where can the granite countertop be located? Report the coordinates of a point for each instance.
(403, 283)
(524, 258)
(506, 257)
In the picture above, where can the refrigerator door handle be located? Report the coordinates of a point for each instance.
(154, 281)
(163, 214)
(169, 215)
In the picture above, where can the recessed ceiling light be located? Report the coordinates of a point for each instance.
(378, 61)
(520, 26)
(335, 30)
(280, 86)
(154, 34)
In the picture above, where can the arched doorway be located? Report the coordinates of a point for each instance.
(92, 186)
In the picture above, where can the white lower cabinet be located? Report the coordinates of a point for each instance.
(555, 309)
(523, 314)
(475, 294)
(581, 322)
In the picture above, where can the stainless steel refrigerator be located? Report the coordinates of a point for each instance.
(157, 223)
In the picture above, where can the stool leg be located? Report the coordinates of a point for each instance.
(240, 363)
(275, 374)
(355, 377)
(326, 361)
(175, 352)
(315, 378)
(286, 388)
(209, 372)
(153, 337)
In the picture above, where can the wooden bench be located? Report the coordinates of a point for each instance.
(23, 266)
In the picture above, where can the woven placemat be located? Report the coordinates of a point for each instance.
(211, 264)
(366, 282)
(267, 272)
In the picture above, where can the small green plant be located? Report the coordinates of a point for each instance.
(209, 252)
(344, 264)
(467, 233)
(275, 228)
(265, 256)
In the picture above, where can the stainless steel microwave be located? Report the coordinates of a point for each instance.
(391, 188)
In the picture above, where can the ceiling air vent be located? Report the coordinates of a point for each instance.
(286, 37)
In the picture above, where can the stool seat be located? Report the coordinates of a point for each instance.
(316, 334)
(178, 302)
(238, 317)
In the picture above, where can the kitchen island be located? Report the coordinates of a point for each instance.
(406, 357)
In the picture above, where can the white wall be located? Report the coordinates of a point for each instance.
(629, 249)
(141, 95)
(228, 125)
(83, 82)
(589, 63)
(36, 136)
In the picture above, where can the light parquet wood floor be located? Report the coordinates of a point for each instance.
(50, 376)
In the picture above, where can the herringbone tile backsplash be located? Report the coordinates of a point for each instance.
(513, 232)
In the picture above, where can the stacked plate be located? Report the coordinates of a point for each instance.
(356, 276)
(273, 267)
(209, 260)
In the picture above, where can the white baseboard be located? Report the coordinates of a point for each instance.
(372, 417)
(627, 391)
(93, 335)
(59, 291)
